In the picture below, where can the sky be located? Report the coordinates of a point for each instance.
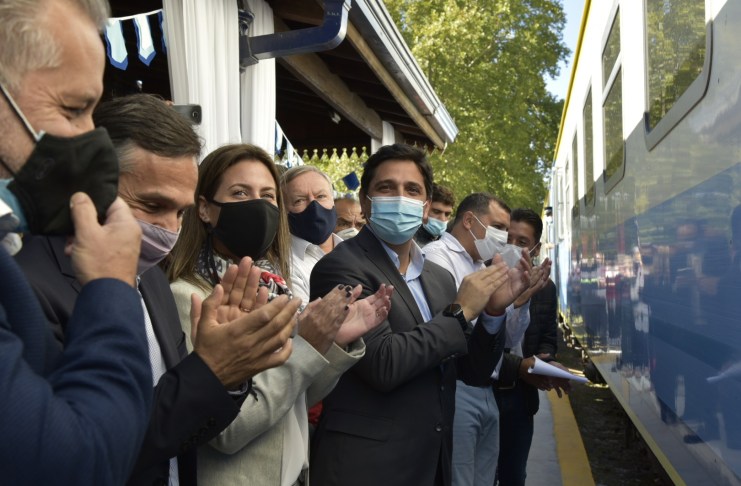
(573, 10)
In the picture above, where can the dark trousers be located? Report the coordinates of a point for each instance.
(515, 435)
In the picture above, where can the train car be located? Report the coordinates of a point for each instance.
(645, 232)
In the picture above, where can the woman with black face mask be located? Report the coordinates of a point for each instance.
(239, 213)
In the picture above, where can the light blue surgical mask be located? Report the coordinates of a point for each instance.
(435, 227)
(16, 221)
(395, 219)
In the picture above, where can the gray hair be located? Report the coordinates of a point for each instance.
(294, 172)
(25, 45)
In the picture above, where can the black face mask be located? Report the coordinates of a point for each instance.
(59, 167)
(247, 228)
(314, 224)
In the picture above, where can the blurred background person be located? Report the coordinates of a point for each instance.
(350, 219)
(436, 221)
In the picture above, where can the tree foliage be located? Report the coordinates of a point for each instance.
(487, 61)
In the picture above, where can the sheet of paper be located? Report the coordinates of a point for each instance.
(543, 368)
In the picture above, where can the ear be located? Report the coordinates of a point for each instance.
(467, 221)
(537, 249)
(426, 210)
(203, 210)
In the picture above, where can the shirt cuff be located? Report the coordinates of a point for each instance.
(492, 324)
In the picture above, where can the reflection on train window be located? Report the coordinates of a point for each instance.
(575, 159)
(612, 49)
(613, 114)
(676, 51)
(588, 151)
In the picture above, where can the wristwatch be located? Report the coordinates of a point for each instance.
(455, 310)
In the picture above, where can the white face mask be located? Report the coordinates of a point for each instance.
(347, 233)
(492, 244)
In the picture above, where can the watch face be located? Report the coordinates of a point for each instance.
(453, 309)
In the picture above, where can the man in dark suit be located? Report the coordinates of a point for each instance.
(157, 151)
(388, 420)
(75, 416)
(516, 390)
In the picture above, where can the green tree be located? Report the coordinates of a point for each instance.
(486, 60)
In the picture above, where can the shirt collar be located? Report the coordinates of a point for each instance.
(416, 261)
(299, 246)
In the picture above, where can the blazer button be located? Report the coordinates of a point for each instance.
(438, 428)
(211, 422)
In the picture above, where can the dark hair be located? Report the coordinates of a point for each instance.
(478, 203)
(148, 122)
(397, 151)
(184, 256)
(528, 216)
(443, 195)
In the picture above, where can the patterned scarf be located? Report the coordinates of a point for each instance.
(212, 267)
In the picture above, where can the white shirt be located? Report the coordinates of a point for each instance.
(9, 223)
(450, 254)
(157, 363)
(304, 256)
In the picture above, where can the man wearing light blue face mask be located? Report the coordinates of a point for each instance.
(401, 394)
(194, 399)
(436, 222)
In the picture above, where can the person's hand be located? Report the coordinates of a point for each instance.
(560, 384)
(110, 250)
(517, 282)
(538, 279)
(239, 349)
(476, 288)
(543, 382)
(322, 318)
(242, 294)
(364, 315)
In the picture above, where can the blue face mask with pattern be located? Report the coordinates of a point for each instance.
(395, 219)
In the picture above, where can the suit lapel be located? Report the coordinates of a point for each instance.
(379, 258)
(152, 299)
(57, 244)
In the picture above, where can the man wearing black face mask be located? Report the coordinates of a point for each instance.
(75, 416)
(312, 218)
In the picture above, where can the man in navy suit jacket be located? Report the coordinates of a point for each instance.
(77, 416)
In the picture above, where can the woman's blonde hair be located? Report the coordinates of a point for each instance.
(184, 256)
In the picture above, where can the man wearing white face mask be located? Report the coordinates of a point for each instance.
(194, 401)
(479, 233)
(389, 419)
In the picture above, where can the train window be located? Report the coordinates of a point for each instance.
(676, 51)
(588, 151)
(612, 107)
(614, 146)
(612, 49)
(575, 167)
(678, 64)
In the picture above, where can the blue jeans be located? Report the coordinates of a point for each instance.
(515, 435)
(475, 436)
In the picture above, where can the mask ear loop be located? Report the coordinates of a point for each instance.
(19, 114)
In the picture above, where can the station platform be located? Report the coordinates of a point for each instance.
(557, 455)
